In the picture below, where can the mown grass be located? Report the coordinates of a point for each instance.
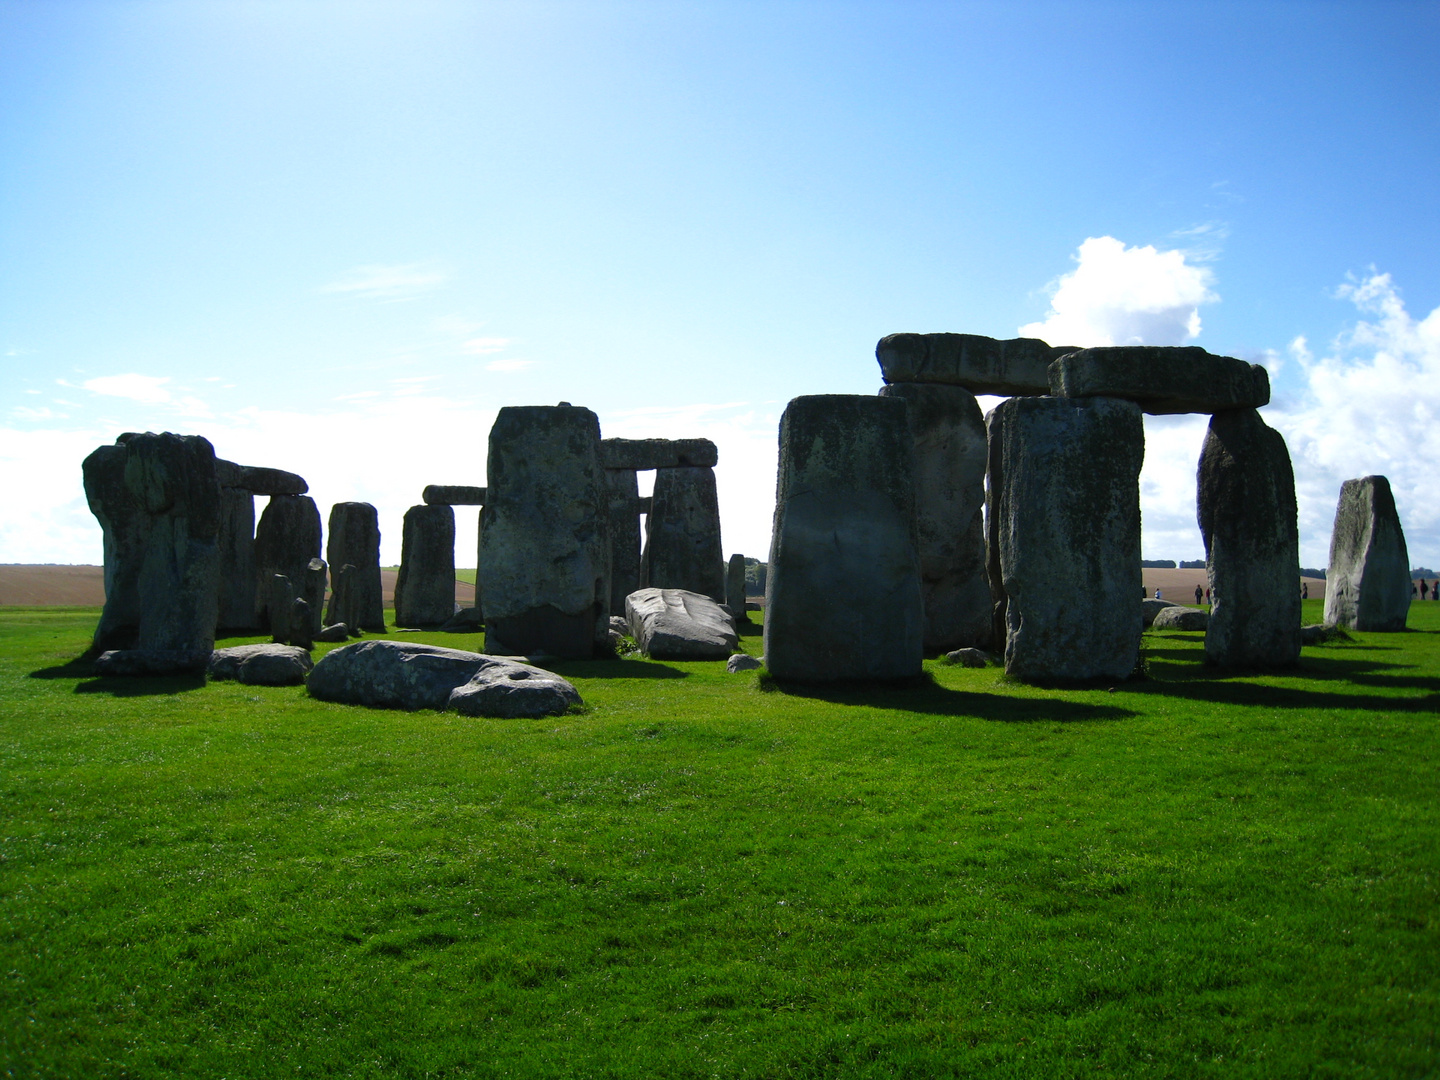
(1194, 875)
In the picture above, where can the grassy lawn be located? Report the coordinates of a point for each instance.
(1194, 875)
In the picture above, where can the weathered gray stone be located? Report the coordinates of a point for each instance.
(676, 624)
(1245, 502)
(1181, 618)
(950, 458)
(735, 586)
(1162, 379)
(982, 365)
(623, 489)
(261, 665)
(425, 585)
(158, 504)
(259, 481)
(236, 574)
(843, 588)
(1321, 634)
(407, 675)
(465, 621)
(453, 495)
(302, 623)
(333, 632)
(280, 598)
(1149, 608)
(286, 539)
(1368, 584)
(1066, 531)
(742, 662)
(312, 589)
(545, 538)
(971, 658)
(682, 534)
(354, 540)
(642, 454)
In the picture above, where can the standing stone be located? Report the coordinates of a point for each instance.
(158, 504)
(354, 540)
(842, 598)
(302, 623)
(286, 539)
(237, 581)
(624, 490)
(735, 586)
(682, 534)
(1368, 584)
(313, 592)
(343, 591)
(544, 568)
(425, 587)
(281, 599)
(1067, 535)
(950, 458)
(1245, 502)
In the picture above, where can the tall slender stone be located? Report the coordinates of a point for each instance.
(843, 590)
(950, 456)
(1067, 532)
(682, 534)
(286, 539)
(236, 575)
(425, 587)
(735, 586)
(1245, 502)
(544, 533)
(1368, 584)
(624, 492)
(313, 592)
(354, 540)
(281, 598)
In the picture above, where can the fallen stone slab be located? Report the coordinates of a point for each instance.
(1149, 608)
(676, 624)
(1368, 585)
(1321, 634)
(261, 665)
(467, 620)
(334, 632)
(1181, 618)
(643, 454)
(259, 481)
(1161, 379)
(742, 662)
(453, 495)
(148, 662)
(971, 658)
(407, 675)
(1018, 367)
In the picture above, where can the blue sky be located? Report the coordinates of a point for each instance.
(337, 237)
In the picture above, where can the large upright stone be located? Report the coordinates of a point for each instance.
(286, 539)
(354, 540)
(735, 586)
(623, 489)
(982, 365)
(312, 591)
(643, 454)
(1245, 502)
(544, 533)
(682, 534)
(1066, 532)
(425, 586)
(1162, 379)
(842, 598)
(1368, 584)
(281, 598)
(950, 453)
(158, 504)
(236, 576)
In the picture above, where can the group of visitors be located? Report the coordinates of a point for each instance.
(1425, 587)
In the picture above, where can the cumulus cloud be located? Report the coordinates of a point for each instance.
(375, 282)
(1119, 295)
(146, 389)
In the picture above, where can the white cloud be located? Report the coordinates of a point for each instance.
(146, 389)
(37, 414)
(1119, 295)
(509, 365)
(387, 282)
(481, 346)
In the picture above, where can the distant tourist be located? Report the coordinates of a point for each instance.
(1199, 592)
(1207, 596)
(1157, 592)
(1424, 588)
(1304, 590)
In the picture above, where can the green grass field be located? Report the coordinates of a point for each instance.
(1193, 875)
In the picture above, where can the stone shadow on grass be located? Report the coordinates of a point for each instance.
(924, 695)
(614, 669)
(1173, 667)
(143, 685)
(1225, 689)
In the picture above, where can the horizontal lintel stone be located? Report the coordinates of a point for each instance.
(1017, 367)
(453, 495)
(643, 454)
(1162, 380)
(258, 480)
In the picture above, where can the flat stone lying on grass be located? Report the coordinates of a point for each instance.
(466, 620)
(676, 624)
(968, 657)
(1321, 634)
(742, 662)
(1176, 617)
(261, 665)
(334, 632)
(408, 675)
(1149, 608)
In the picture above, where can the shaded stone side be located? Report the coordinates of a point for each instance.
(682, 534)
(982, 365)
(1368, 584)
(158, 504)
(735, 586)
(1162, 379)
(623, 489)
(843, 587)
(1245, 503)
(258, 480)
(453, 495)
(544, 533)
(994, 484)
(950, 459)
(354, 540)
(425, 586)
(286, 539)
(644, 454)
(236, 600)
(1067, 531)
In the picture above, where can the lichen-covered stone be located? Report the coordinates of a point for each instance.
(982, 365)
(843, 588)
(236, 574)
(261, 665)
(286, 539)
(623, 489)
(1368, 584)
(682, 534)
(453, 495)
(735, 586)
(425, 585)
(354, 540)
(643, 454)
(1162, 379)
(1181, 618)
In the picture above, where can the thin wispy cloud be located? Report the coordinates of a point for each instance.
(146, 389)
(376, 282)
(483, 346)
(509, 365)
